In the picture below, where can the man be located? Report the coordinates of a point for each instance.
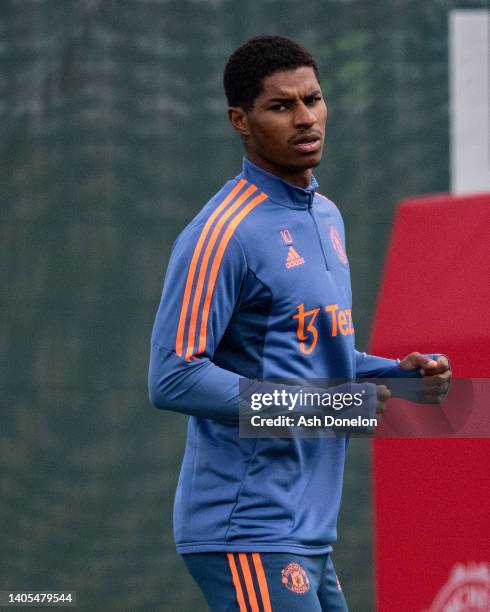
(258, 287)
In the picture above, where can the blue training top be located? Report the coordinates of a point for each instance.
(258, 286)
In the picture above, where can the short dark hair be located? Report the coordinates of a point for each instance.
(258, 58)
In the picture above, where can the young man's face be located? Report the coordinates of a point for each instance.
(284, 132)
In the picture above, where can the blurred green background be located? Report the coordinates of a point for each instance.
(113, 135)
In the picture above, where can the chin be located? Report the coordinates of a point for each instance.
(316, 161)
(309, 162)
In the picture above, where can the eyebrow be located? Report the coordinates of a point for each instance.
(286, 98)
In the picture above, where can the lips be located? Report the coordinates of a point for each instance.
(307, 143)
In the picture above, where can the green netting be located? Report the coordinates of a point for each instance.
(113, 134)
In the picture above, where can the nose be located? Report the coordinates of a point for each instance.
(304, 116)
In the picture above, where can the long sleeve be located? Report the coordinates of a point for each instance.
(201, 290)
(371, 366)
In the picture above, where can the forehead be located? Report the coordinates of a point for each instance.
(285, 83)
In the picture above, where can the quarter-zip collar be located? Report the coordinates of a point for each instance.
(278, 190)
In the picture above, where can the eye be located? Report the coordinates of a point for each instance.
(280, 107)
(312, 100)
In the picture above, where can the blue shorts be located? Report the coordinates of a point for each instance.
(267, 582)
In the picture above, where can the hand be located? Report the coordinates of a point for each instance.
(383, 394)
(435, 374)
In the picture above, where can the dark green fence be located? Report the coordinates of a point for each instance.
(113, 134)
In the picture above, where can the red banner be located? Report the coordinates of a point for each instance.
(432, 497)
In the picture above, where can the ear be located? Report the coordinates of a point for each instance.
(239, 120)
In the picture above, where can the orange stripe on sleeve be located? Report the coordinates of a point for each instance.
(204, 266)
(236, 582)
(217, 263)
(252, 599)
(264, 589)
(195, 257)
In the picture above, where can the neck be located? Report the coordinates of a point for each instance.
(298, 178)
